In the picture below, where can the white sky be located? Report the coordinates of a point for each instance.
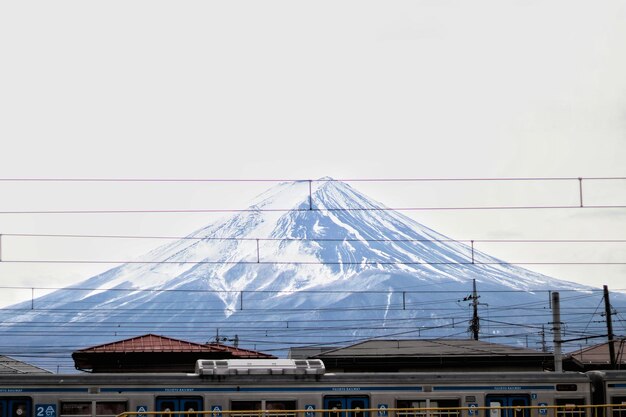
(291, 89)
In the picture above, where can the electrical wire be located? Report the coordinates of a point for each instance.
(297, 263)
(320, 239)
(328, 209)
(305, 180)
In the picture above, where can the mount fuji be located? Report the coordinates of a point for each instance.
(308, 263)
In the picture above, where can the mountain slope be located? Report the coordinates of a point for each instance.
(296, 268)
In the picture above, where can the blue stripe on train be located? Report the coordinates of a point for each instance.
(497, 388)
(263, 389)
(20, 390)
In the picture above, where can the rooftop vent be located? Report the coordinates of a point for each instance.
(260, 367)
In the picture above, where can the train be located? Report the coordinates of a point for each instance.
(303, 388)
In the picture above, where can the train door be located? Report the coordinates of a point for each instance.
(15, 407)
(177, 404)
(513, 405)
(354, 404)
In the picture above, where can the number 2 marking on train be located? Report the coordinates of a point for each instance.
(46, 410)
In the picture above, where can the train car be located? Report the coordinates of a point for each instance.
(610, 388)
(296, 388)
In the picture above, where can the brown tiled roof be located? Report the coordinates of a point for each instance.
(147, 343)
(156, 343)
(154, 353)
(599, 354)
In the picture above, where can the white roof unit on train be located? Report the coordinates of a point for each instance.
(260, 367)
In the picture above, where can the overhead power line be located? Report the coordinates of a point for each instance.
(472, 257)
(297, 263)
(321, 239)
(569, 205)
(453, 293)
(330, 209)
(434, 179)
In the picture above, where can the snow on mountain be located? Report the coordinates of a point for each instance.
(304, 254)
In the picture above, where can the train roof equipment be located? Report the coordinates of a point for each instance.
(211, 367)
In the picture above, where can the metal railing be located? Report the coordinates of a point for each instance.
(604, 410)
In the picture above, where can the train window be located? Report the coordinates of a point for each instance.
(15, 407)
(569, 407)
(167, 405)
(78, 408)
(428, 408)
(19, 408)
(110, 408)
(347, 406)
(334, 405)
(85, 408)
(495, 410)
(619, 406)
(357, 405)
(508, 405)
(280, 408)
(274, 408)
(173, 405)
(246, 408)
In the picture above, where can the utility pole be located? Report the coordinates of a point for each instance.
(475, 322)
(556, 329)
(609, 327)
(544, 348)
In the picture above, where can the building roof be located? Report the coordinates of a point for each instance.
(597, 356)
(434, 354)
(154, 353)
(434, 347)
(12, 366)
(155, 343)
(308, 352)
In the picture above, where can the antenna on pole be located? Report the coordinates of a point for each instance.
(544, 347)
(219, 339)
(474, 326)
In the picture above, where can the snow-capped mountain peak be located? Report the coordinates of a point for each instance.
(302, 251)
